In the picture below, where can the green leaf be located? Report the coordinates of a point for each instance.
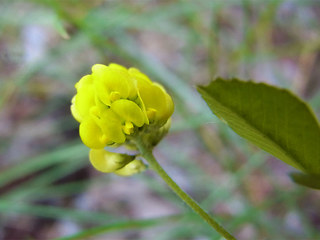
(274, 119)
(308, 180)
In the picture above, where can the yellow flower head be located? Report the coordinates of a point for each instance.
(114, 104)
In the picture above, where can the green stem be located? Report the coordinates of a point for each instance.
(147, 154)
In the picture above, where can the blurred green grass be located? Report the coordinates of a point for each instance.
(46, 46)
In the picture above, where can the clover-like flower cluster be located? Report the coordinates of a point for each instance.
(113, 105)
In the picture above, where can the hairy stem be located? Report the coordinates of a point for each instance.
(147, 154)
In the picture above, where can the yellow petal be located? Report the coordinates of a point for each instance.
(151, 113)
(112, 79)
(130, 81)
(128, 128)
(135, 73)
(133, 167)
(114, 96)
(112, 127)
(101, 89)
(91, 134)
(123, 75)
(141, 105)
(117, 66)
(128, 111)
(169, 107)
(105, 161)
(99, 104)
(84, 99)
(158, 103)
(153, 97)
(84, 82)
(74, 110)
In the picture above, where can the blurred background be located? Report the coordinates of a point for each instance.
(48, 189)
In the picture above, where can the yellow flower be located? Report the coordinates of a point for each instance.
(114, 105)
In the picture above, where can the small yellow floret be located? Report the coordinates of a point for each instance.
(105, 161)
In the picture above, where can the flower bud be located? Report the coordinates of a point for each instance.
(105, 161)
(136, 166)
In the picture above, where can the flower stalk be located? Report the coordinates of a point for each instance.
(149, 157)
